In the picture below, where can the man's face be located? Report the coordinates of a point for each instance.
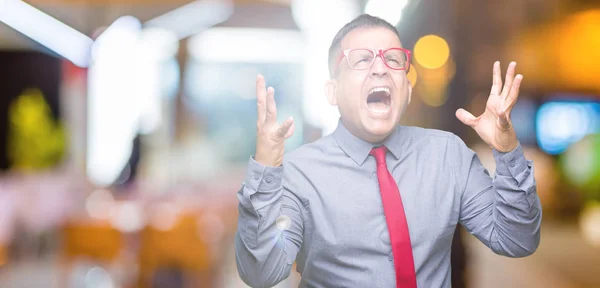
(370, 101)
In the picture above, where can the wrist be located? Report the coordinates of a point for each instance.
(507, 148)
(505, 140)
(267, 160)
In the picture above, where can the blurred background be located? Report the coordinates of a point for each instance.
(126, 127)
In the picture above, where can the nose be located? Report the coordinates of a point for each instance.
(379, 68)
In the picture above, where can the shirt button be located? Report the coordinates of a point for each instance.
(511, 163)
(256, 176)
(390, 257)
(269, 179)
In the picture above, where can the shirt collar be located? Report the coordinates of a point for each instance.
(394, 142)
(359, 149)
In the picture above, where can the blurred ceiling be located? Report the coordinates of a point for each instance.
(87, 16)
(478, 32)
(144, 2)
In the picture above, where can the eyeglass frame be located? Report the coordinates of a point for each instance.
(377, 53)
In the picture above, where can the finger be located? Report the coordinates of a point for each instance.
(496, 79)
(271, 106)
(261, 99)
(290, 131)
(285, 128)
(514, 94)
(508, 81)
(466, 117)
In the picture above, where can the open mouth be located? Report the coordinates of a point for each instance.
(379, 100)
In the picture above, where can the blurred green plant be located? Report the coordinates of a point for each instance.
(581, 165)
(35, 140)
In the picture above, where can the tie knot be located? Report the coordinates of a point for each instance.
(379, 154)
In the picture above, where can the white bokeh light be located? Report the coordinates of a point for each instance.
(128, 217)
(112, 119)
(589, 224)
(46, 30)
(98, 277)
(323, 16)
(223, 44)
(320, 20)
(125, 91)
(388, 10)
(283, 222)
(99, 204)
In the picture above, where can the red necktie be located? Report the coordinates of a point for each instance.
(396, 222)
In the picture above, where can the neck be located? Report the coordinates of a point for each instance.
(373, 139)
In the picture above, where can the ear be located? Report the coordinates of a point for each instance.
(330, 87)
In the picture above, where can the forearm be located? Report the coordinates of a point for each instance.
(517, 212)
(264, 253)
(260, 253)
(504, 212)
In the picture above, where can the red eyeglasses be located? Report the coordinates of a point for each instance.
(362, 59)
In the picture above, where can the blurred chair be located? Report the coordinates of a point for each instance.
(178, 250)
(96, 241)
(3, 255)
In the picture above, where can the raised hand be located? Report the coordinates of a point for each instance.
(494, 125)
(270, 135)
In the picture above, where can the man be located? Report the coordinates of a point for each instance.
(376, 204)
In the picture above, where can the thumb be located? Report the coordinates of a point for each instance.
(503, 120)
(285, 129)
(466, 117)
(290, 132)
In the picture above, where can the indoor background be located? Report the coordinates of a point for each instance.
(126, 127)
